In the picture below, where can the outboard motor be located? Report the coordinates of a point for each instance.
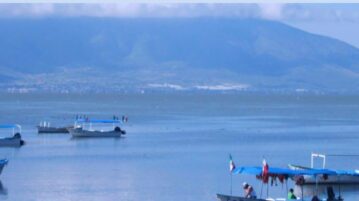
(118, 129)
(18, 135)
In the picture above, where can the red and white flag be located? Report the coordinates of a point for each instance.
(232, 166)
(265, 170)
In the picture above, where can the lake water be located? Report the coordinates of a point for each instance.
(176, 147)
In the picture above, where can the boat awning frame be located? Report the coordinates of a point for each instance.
(10, 126)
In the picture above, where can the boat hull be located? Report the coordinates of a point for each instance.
(79, 132)
(11, 142)
(223, 197)
(41, 129)
(330, 179)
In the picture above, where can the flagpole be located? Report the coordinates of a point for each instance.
(231, 169)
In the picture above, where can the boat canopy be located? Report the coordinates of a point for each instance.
(105, 121)
(10, 126)
(290, 172)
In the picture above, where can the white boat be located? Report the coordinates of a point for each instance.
(341, 176)
(3, 162)
(327, 179)
(84, 128)
(15, 140)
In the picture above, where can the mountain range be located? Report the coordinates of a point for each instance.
(140, 54)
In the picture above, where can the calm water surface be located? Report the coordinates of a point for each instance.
(177, 146)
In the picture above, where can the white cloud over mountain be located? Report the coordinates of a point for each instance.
(272, 11)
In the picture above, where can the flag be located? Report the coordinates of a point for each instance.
(265, 169)
(232, 166)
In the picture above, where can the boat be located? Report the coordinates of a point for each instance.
(266, 174)
(15, 140)
(340, 176)
(84, 128)
(44, 127)
(3, 162)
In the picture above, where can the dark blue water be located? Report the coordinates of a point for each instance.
(177, 145)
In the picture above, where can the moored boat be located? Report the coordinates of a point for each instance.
(52, 129)
(15, 140)
(339, 176)
(84, 128)
(45, 127)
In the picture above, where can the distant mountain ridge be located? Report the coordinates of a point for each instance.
(175, 51)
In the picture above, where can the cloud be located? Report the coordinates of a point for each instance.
(10, 10)
(271, 10)
(130, 10)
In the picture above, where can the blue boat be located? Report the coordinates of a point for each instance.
(283, 175)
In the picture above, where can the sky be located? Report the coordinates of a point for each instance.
(339, 21)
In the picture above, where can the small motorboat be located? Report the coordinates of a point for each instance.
(339, 176)
(15, 140)
(84, 128)
(3, 162)
(44, 127)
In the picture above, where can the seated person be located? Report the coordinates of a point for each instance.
(249, 191)
(291, 195)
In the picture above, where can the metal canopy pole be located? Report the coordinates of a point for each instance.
(301, 186)
(286, 185)
(231, 183)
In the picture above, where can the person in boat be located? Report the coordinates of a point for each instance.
(249, 191)
(291, 195)
(330, 193)
(315, 198)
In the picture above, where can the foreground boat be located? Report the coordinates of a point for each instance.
(3, 162)
(350, 177)
(266, 174)
(83, 128)
(15, 140)
(338, 177)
